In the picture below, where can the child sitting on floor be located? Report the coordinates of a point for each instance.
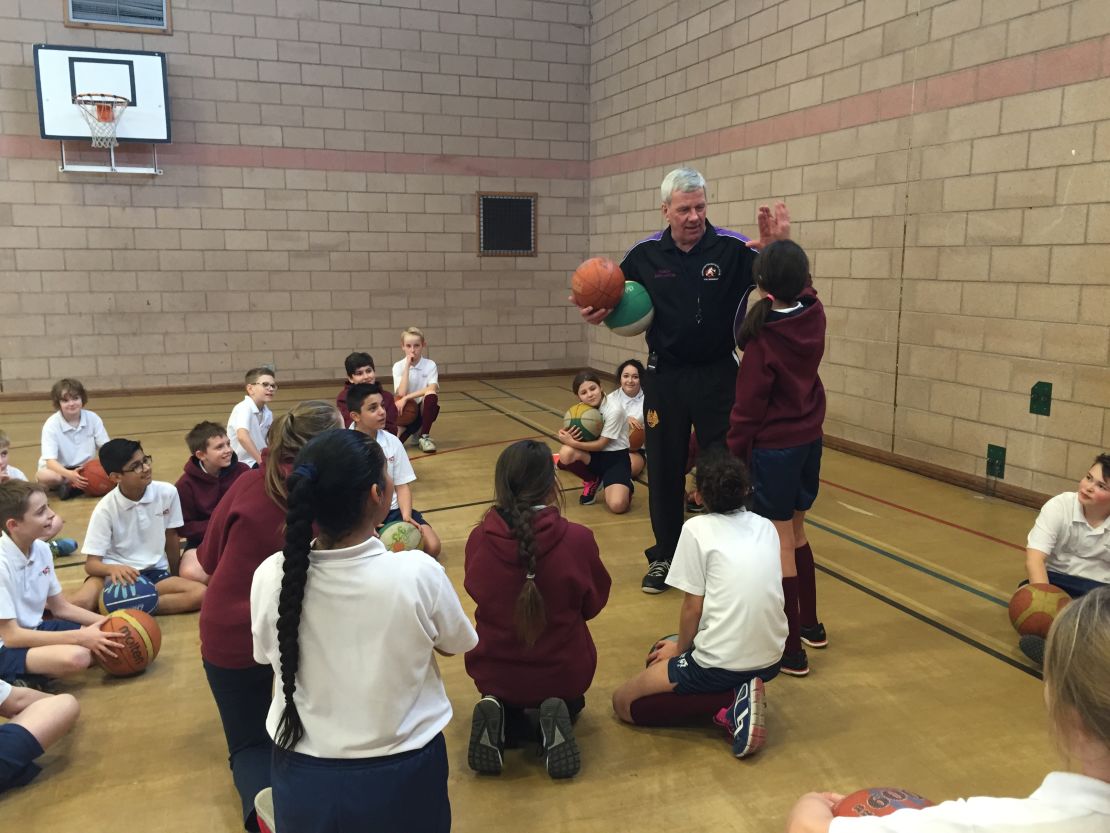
(601, 463)
(360, 371)
(36, 721)
(416, 380)
(70, 438)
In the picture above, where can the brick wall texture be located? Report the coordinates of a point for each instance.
(947, 166)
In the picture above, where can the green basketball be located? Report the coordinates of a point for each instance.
(586, 419)
(400, 536)
(634, 313)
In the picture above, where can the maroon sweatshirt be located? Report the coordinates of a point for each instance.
(574, 585)
(780, 401)
(246, 529)
(200, 492)
(387, 403)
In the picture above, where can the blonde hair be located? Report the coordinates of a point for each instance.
(1077, 667)
(412, 331)
(288, 435)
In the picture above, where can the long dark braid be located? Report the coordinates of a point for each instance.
(332, 477)
(525, 478)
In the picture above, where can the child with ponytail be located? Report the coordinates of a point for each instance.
(357, 723)
(775, 426)
(536, 579)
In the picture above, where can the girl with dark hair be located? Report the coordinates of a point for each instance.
(536, 579)
(629, 397)
(602, 463)
(775, 426)
(357, 724)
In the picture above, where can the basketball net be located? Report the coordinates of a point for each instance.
(102, 112)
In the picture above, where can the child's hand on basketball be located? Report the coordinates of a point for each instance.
(591, 315)
(574, 434)
(664, 649)
(635, 424)
(121, 574)
(99, 642)
(76, 479)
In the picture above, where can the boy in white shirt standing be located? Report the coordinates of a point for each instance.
(368, 416)
(133, 531)
(416, 379)
(70, 438)
(250, 420)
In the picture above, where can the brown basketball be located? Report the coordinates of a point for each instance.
(408, 413)
(635, 439)
(1034, 607)
(99, 482)
(143, 640)
(597, 283)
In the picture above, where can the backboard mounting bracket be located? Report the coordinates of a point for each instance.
(111, 167)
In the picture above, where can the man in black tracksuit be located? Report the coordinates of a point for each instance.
(696, 276)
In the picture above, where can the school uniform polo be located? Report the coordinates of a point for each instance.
(423, 373)
(72, 445)
(1074, 547)
(257, 420)
(397, 459)
(615, 426)
(733, 562)
(633, 406)
(133, 533)
(380, 694)
(1065, 802)
(26, 583)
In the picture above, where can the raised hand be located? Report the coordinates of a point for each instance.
(773, 225)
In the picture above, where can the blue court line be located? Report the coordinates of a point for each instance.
(908, 563)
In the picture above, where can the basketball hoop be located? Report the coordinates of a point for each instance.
(102, 111)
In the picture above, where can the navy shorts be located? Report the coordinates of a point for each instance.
(13, 661)
(154, 575)
(785, 480)
(613, 467)
(395, 515)
(690, 678)
(18, 750)
(1074, 586)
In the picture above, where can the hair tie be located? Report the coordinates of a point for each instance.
(770, 297)
(306, 470)
(530, 577)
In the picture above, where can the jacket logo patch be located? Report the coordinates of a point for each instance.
(652, 418)
(711, 271)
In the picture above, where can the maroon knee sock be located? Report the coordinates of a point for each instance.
(807, 586)
(578, 469)
(668, 709)
(790, 605)
(429, 410)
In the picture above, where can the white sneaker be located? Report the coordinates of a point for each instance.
(264, 810)
(426, 444)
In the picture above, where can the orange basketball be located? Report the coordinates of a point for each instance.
(635, 439)
(408, 413)
(879, 801)
(99, 483)
(143, 640)
(1034, 607)
(597, 283)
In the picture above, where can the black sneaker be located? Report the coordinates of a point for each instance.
(39, 682)
(655, 579)
(68, 492)
(590, 489)
(814, 636)
(796, 665)
(560, 750)
(1033, 647)
(487, 737)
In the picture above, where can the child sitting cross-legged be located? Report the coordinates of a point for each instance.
(36, 721)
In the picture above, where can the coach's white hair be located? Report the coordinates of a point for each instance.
(685, 180)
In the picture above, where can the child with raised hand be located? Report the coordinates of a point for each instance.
(248, 426)
(369, 417)
(29, 644)
(1077, 696)
(603, 463)
(247, 527)
(630, 397)
(70, 438)
(775, 426)
(357, 722)
(36, 721)
(416, 379)
(537, 579)
(731, 627)
(360, 371)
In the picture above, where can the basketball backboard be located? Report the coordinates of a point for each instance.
(61, 72)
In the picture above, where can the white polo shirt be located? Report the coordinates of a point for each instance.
(72, 445)
(423, 373)
(133, 533)
(1065, 802)
(26, 583)
(5, 690)
(733, 561)
(256, 420)
(14, 474)
(615, 426)
(379, 694)
(397, 459)
(633, 406)
(1073, 545)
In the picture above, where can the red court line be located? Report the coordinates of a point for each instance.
(1004, 543)
(478, 445)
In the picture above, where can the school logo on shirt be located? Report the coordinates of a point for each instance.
(45, 571)
(711, 271)
(652, 418)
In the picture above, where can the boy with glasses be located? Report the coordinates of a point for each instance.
(250, 420)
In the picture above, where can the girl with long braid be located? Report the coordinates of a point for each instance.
(537, 580)
(357, 723)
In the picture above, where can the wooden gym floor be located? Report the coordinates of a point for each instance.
(922, 685)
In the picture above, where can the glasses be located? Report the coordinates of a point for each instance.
(268, 385)
(134, 468)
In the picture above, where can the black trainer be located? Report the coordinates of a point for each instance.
(560, 749)
(1033, 647)
(655, 579)
(487, 737)
(814, 636)
(796, 665)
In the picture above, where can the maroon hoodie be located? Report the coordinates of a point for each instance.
(387, 403)
(574, 585)
(200, 492)
(780, 401)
